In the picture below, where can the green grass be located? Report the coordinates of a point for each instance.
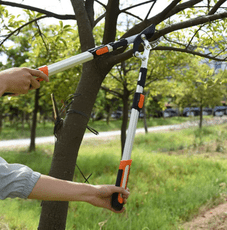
(168, 186)
(116, 124)
(17, 131)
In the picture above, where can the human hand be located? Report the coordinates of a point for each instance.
(20, 80)
(103, 195)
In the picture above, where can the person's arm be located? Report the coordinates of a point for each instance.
(52, 189)
(17, 180)
(20, 80)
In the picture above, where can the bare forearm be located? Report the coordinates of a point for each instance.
(2, 86)
(52, 189)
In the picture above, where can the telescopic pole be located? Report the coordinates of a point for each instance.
(124, 168)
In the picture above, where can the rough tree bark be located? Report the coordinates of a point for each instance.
(201, 117)
(54, 214)
(34, 121)
(125, 99)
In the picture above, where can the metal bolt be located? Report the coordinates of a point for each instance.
(143, 36)
(148, 47)
(137, 54)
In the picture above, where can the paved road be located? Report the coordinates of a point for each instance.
(51, 139)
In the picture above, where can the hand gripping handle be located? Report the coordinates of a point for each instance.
(44, 69)
(117, 201)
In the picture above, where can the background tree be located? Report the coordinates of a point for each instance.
(200, 87)
(32, 51)
(122, 80)
(121, 83)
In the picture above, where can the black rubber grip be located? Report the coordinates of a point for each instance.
(114, 202)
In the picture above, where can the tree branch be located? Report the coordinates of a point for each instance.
(166, 12)
(154, 20)
(112, 13)
(89, 6)
(175, 42)
(169, 11)
(99, 19)
(115, 93)
(41, 35)
(168, 48)
(116, 78)
(133, 15)
(220, 52)
(191, 23)
(103, 5)
(216, 7)
(134, 6)
(149, 11)
(19, 28)
(194, 36)
(84, 26)
(211, 6)
(182, 25)
(47, 13)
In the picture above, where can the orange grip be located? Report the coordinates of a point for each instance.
(125, 167)
(117, 200)
(44, 69)
(102, 50)
(124, 163)
(141, 101)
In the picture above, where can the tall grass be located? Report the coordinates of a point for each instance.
(166, 189)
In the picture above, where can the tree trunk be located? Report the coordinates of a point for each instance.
(201, 117)
(144, 113)
(23, 120)
(34, 121)
(1, 118)
(108, 116)
(145, 119)
(54, 214)
(124, 118)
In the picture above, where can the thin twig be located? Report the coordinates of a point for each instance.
(150, 10)
(103, 5)
(41, 35)
(140, 4)
(47, 13)
(19, 28)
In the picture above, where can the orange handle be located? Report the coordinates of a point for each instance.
(122, 180)
(44, 69)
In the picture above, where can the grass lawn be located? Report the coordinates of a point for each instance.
(173, 175)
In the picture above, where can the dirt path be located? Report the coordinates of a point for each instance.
(212, 219)
(9, 144)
